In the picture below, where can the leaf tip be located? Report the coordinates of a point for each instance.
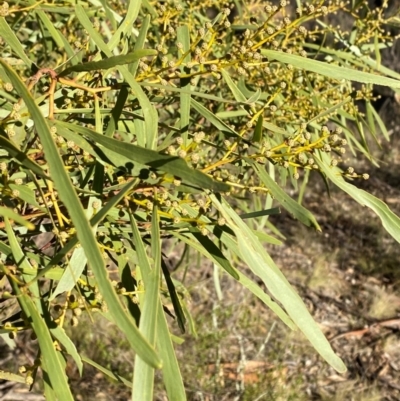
(339, 366)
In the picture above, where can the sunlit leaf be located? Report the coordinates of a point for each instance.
(109, 62)
(330, 70)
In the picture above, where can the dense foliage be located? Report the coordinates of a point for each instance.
(125, 126)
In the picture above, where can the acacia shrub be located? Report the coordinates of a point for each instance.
(126, 124)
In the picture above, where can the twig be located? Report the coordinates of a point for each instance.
(393, 324)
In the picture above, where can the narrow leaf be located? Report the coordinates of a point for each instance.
(59, 334)
(224, 263)
(72, 273)
(237, 93)
(330, 70)
(10, 214)
(180, 316)
(8, 36)
(143, 379)
(107, 372)
(298, 211)
(257, 259)
(258, 131)
(53, 33)
(381, 124)
(21, 157)
(213, 119)
(140, 41)
(183, 36)
(260, 213)
(12, 377)
(170, 370)
(126, 24)
(390, 221)
(170, 164)
(109, 62)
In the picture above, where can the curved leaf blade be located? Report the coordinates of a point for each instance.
(390, 221)
(237, 93)
(253, 253)
(170, 164)
(9, 37)
(107, 372)
(21, 157)
(143, 379)
(219, 259)
(109, 62)
(10, 214)
(298, 211)
(59, 334)
(171, 372)
(331, 70)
